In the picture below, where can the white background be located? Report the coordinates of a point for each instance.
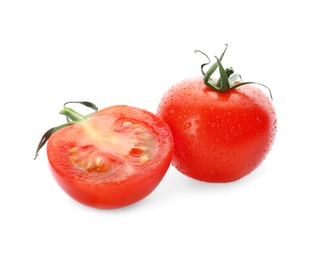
(131, 52)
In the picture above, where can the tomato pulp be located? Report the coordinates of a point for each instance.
(113, 158)
(218, 137)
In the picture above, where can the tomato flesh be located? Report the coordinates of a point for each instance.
(218, 137)
(114, 158)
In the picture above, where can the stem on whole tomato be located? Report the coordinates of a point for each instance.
(227, 79)
(72, 117)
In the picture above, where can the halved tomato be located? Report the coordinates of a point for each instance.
(112, 158)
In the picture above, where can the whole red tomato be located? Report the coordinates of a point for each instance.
(221, 133)
(110, 159)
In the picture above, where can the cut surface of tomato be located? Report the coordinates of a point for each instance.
(113, 158)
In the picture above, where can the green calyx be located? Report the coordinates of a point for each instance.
(228, 80)
(72, 117)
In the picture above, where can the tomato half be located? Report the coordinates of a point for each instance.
(113, 158)
(218, 137)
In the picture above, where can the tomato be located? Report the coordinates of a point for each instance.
(219, 136)
(112, 158)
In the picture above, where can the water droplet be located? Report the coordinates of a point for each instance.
(187, 125)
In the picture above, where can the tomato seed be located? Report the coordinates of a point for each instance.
(144, 158)
(73, 150)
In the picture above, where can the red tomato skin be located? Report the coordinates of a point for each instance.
(111, 195)
(117, 189)
(218, 137)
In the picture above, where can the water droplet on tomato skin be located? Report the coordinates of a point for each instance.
(187, 125)
(171, 112)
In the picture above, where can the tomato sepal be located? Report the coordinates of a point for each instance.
(72, 117)
(227, 79)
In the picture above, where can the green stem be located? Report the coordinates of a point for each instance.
(72, 114)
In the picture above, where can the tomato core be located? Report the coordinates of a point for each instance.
(125, 141)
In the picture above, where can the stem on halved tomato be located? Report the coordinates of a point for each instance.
(227, 80)
(72, 117)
